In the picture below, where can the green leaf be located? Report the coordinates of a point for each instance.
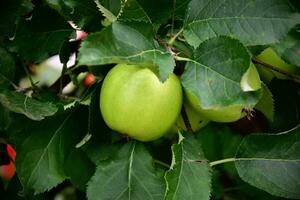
(296, 4)
(43, 148)
(7, 67)
(120, 43)
(289, 48)
(84, 14)
(106, 13)
(255, 22)
(65, 52)
(181, 8)
(271, 162)
(266, 103)
(41, 36)
(19, 103)
(114, 6)
(130, 174)
(13, 191)
(10, 12)
(79, 168)
(159, 11)
(97, 127)
(214, 75)
(287, 105)
(218, 141)
(189, 176)
(128, 10)
(5, 118)
(131, 10)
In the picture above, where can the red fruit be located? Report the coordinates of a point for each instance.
(7, 171)
(89, 80)
(80, 35)
(7, 158)
(11, 152)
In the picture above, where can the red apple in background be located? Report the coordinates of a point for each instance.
(80, 35)
(89, 79)
(7, 159)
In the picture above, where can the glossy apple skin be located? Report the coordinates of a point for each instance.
(270, 57)
(133, 101)
(196, 119)
(225, 114)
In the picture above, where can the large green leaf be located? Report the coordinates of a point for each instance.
(114, 6)
(129, 10)
(159, 11)
(214, 74)
(7, 67)
(12, 192)
(10, 12)
(44, 147)
(189, 176)
(129, 174)
(181, 8)
(133, 11)
(120, 43)
(254, 22)
(5, 118)
(42, 35)
(84, 14)
(97, 127)
(271, 162)
(289, 48)
(20, 103)
(78, 168)
(287, 105)
(218, 141)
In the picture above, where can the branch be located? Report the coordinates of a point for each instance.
(291, 76)
(186, 120)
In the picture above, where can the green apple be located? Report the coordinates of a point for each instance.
(250, 82)
(270, 57)
(224, 114)
(133, 101)
(196, 120)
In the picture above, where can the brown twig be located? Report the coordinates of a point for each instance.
(186, 120)
(291, 76)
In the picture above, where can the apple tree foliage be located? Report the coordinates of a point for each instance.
(62, 141)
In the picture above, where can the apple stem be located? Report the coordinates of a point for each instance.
(171, 41)
(186, 120)
(291, 76)
(217, 162)
(29, 77)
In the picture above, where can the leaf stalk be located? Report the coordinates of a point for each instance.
(217, 162)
